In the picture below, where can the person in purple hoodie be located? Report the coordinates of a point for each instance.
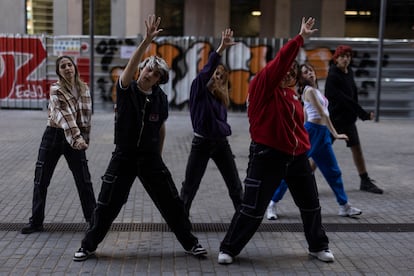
(209, 99)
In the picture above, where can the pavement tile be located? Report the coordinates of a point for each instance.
(388, 151)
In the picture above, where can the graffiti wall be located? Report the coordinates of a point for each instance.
(23, 79)
(27, 67)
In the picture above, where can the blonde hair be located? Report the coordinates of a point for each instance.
(64, 83)
(156, 63)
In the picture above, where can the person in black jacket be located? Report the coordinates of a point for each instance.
(344, 110)
(142, 109)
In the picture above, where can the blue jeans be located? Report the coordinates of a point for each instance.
(52, 147)
(324, 157)
(266, 168)
(201, 151)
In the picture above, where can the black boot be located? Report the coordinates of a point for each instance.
(367, 185)
(31, 229)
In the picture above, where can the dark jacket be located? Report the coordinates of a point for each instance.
(139, 117)
(208, 114)
(342, 93)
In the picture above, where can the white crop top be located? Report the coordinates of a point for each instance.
(311, 111)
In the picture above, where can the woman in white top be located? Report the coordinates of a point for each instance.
(321, 131)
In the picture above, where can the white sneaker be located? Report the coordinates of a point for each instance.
(347, 210)
(224, 258)
(271, 213)
(324, 255)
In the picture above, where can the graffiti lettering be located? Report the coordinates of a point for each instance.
(22, 59)
(29, 91)
(24, 73)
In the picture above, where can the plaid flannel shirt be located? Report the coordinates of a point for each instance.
(71, 114)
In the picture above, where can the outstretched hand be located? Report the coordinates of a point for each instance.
(226, 40)
(152, 24)
(306, 28)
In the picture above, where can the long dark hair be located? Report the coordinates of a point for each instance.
(302, 82)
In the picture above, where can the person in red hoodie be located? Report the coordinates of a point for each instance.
(279, 143)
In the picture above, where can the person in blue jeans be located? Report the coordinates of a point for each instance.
(209, 98)
(320, 130)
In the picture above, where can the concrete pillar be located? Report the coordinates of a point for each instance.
(67, 17)
(13, 17)
(199, 18)
(221, 16)
(267, 19)
(282, 18)
(136, 12)
(304, 8)
(118, 18)
(333, 20)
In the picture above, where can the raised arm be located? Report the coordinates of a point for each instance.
(214, 58)
(275, 70)
(151, 24)
(306, 27)
(226, 41)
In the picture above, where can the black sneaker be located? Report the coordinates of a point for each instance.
(197, 250)
(368, 185)
(82, 254)
(31, 229)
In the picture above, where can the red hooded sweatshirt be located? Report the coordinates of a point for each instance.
(275, 113)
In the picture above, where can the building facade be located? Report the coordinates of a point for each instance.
(191, 31)
(249, 18)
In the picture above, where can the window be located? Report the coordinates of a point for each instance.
(244, 17)
(102, 16)
(172, 14)
(39, 16)
(362, 18)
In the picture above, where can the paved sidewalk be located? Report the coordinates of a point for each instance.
(380, 242)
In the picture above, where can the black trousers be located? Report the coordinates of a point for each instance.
(124, 167)
(266, 168)
(201, 151)
(52, 147)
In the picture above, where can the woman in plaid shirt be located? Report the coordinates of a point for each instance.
(67, 134)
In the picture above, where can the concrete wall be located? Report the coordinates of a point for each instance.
(13, 17)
